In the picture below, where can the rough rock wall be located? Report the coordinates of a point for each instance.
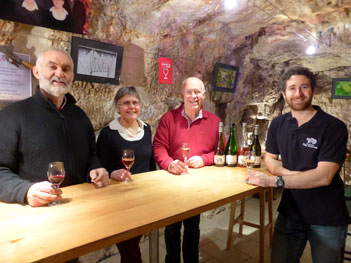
(261, 37)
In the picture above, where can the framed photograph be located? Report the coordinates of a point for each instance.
(65, 15)
(96, 61)
(341, 88)
(225, 77)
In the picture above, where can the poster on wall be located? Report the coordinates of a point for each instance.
(165, 69)
(65, 15)
(15, 82)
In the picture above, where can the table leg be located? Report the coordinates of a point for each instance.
(231, 224)
(242, 213)
(262, 224)
(153, 247)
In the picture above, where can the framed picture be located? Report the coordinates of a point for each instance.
(96, 61)
(225, 77)
(65, 15)
(341, 88)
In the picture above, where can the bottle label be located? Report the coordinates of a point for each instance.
(219, 159)
(241, 160)
(258, 160)
(230, 159)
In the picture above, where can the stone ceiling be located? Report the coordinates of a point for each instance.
(300, 19)
(205, 31)
(246, 16)
(263, 35)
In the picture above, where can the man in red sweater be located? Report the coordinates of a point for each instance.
(192, 124)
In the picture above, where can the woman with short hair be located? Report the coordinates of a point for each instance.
(126, 132)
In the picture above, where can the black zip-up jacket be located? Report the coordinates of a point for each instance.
(32, 134)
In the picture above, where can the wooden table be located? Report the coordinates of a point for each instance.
(95, 218)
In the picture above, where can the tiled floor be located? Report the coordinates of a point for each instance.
(214, 229)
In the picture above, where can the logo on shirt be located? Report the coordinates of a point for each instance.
(310, 143)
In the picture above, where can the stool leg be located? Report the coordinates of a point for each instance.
(262, 224)
(241, 218)
(270, 214)
(231, 224)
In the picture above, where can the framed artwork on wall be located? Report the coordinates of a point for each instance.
(225, 77)
(96, 61)
(341, 88)
(65, 15)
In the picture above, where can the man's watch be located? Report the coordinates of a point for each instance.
(280, 182)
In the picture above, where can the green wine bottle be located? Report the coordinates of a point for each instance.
(256, 147)
(231, 153)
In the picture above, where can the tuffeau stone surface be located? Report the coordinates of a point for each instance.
(261, 37)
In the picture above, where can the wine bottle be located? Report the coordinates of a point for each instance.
(256, 147)
(244, 148)
(219, 157)
(232, 148)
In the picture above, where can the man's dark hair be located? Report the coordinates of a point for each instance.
(298, 71)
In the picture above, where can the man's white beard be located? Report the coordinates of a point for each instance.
(50, 88)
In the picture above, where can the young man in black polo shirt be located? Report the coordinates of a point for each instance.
(312, 145)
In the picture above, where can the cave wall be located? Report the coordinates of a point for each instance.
(197, 35)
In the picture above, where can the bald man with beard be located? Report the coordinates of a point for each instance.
(44, 128)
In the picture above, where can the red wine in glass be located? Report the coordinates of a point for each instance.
(56, 175)
(56, 179)
(128, 159)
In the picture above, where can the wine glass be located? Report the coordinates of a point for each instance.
(56, 174)
(250, 160)
(185, 150)
(128, 159)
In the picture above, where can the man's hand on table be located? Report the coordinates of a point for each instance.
(42, 193)
(260, 179)
(177, 167)
(195, 162)
(99, 177)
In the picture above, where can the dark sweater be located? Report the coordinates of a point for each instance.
(110, 145)
(32, 134)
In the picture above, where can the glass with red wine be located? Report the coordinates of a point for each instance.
(128, 159)
(56, 175)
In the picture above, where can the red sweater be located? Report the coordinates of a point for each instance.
(173, 130)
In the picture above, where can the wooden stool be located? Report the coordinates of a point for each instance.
(262, 227)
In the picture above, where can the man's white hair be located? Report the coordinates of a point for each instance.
(202, 85)
(41, 56)
(45, 83)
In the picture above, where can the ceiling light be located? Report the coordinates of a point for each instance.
(230, 4)
(311, 50)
